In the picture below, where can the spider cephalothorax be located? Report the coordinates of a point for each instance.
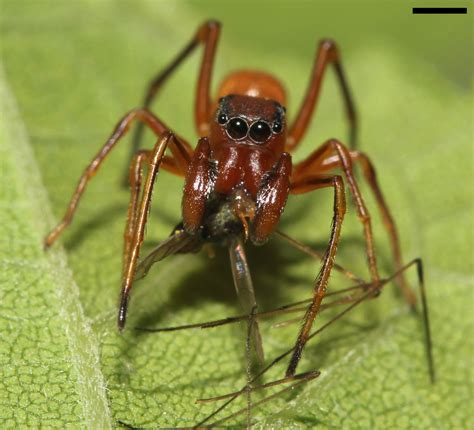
(243, 153)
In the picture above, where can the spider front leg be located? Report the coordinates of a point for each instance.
(303, 186)
(353, 301)
(208, 35)
(138, 217)
(312, 165)
(328, 53)
(136, 177)
(324, 159)
(177, 164)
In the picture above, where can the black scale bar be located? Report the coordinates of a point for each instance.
(439, 10)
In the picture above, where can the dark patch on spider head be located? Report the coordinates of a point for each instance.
(280, 113)
(224, 105)
(251, 108)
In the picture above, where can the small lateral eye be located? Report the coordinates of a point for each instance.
(260, 131)
(277, 127)
(237, 128)
(222, 118)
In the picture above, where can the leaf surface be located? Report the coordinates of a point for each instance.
(74, 71)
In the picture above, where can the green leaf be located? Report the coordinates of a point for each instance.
(49, 354)
(71, 71)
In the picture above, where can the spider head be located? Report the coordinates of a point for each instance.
(241, 119)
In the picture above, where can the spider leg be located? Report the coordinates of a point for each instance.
(299, 306)
(174, 244)
(328, 53)
(369, 172)
(208, 35)
(374, 291)
(245, 292)
(154, 159)
(317, 255)
(354, 302)
(136, 177)
(313, 374)
(312, 164)
(306, 185)
(300, 378)
(251, 327)
(178, 164)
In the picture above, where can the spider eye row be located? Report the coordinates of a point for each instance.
(237, 128)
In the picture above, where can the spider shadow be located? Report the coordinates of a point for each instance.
(92, 225)
(107, 215)
(268, 264)
(269, 267)
(213, 283)
(298, 208)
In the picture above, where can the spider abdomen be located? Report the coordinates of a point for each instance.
(253, 83)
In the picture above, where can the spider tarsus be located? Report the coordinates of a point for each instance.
(122, 316)
(50, 239)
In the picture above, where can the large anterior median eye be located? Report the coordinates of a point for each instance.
(237, 128)
(260, 131)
